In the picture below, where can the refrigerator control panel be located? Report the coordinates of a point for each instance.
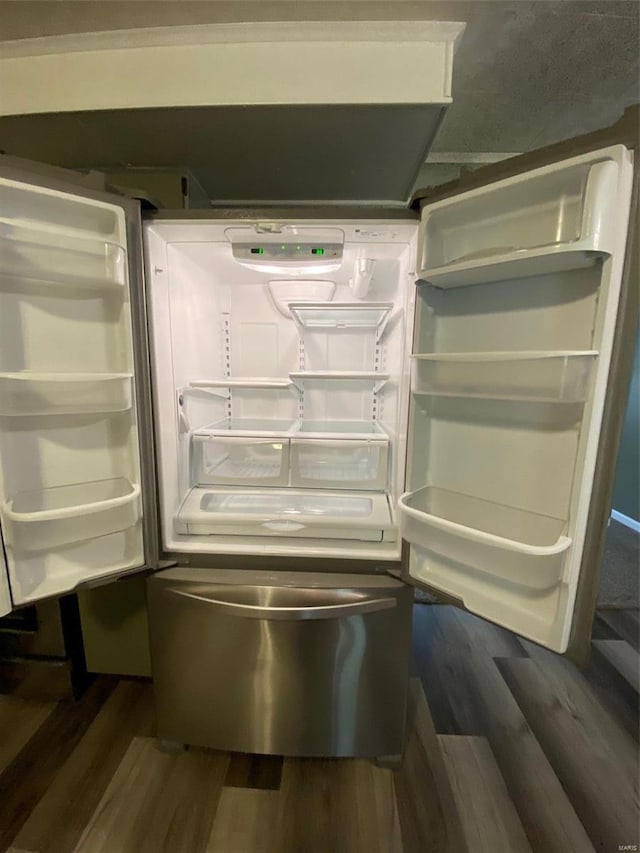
(288, 252)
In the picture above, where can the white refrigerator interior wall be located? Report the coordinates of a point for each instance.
(329, 383)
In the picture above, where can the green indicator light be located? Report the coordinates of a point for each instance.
(257, 251)
(298, 248)
(317, 251)
(283, 248)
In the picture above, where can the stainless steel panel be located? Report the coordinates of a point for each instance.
(277, 668)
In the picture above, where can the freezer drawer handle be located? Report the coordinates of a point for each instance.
(252, 611)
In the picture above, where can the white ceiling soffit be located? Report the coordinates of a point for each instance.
(353, 62)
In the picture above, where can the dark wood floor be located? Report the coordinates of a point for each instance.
(513, 750)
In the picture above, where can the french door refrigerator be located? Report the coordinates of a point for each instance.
(362, 392)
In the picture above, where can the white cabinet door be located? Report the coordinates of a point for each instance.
(70, 397)
(517, 318)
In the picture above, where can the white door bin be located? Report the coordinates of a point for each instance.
(50, 518)
(452, 530)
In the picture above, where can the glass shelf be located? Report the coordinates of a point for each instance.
(276, 428)
(324, 316)
(330, 376)
(223, 387)
(364, 430)
(229, 382)
(545, 376)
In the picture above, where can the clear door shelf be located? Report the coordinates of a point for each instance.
(325, 316)
(546, 376)
(516, 263)
(51, 518)
(60, 259)
(30, 393)
(555, 219)
(362, 376)
(468, 535)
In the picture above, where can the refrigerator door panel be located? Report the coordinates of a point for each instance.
(521, 285)
(73, 387)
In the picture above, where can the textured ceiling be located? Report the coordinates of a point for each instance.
(527, 73)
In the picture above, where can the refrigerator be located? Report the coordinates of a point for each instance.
(310, 412)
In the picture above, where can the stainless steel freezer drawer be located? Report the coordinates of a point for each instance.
(284, 663)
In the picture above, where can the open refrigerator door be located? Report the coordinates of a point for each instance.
(517, 309)
(70, 464)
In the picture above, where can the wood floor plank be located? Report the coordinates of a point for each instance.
(592, 755)
(24, 782)
(489, 818)
(19, 720)
(625, 625)
(254, 771)
(427, 811)
(606, 684)
(246, 820)
(602, 631)
(59, 819)
(336, 806)
(485, 704)
(157, 801)
(447, 697)
(623, 658)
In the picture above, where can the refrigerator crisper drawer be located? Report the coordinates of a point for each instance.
(339, 464)
(234, 461)
(51, 518)
(287, 512)
(452, 531)
(284, 663)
